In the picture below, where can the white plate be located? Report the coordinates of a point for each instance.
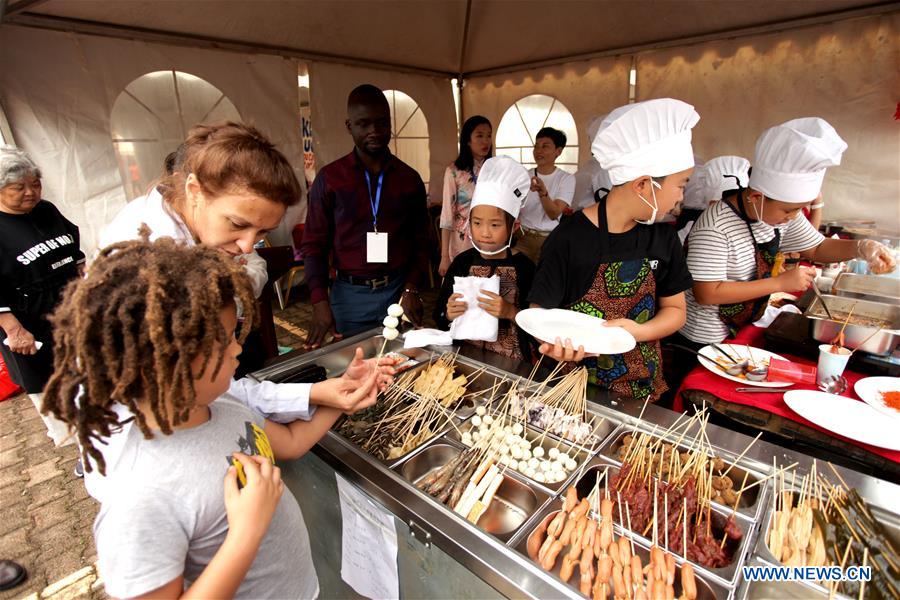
(740, 352)
(584, 330)
(870, 389)
(845, 416)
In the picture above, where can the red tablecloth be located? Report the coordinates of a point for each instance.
(703, 379)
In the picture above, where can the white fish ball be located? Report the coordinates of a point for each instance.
(391, 322)
(389, 333)
(476, 421)
(538, 452)
(513, 464)
(480, 411)
(517, 428)
(571, 465)
(488, 419)
(516, 452)
(533, 463)
(395, 310)
(539, 477)
(553, 453)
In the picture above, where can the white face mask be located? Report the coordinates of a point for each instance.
(487, 252)
(654, 206)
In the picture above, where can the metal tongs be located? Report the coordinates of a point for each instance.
(822, 300)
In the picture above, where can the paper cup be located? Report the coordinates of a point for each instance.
(831, 364)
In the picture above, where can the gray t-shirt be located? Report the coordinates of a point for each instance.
(163, 512)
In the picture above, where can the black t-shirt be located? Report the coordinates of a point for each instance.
(515, 270)
(39, 255)
(572, 254)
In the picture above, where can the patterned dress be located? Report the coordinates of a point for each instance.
(459, 185)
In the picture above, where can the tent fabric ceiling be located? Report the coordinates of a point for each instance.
(428, 34)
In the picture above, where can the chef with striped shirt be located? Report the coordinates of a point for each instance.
(734, 243)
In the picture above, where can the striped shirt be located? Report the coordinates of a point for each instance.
(720, 248)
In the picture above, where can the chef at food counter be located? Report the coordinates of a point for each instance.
(733, 247)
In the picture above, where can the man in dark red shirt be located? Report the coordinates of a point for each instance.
(367, 219)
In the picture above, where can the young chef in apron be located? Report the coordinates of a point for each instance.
(611, 261)
(734, 244)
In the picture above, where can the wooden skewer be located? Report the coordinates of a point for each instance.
(862, 585)
(838, 337)
(684, 531)
(741, 455)
(767, 477)
(666, 517)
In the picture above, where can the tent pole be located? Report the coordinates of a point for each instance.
(460, 78)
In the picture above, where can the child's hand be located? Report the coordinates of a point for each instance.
(346, 394)
(494, 305)
(456, 307)
(359, 369)
(250, 509)
(563, 351)
(632, 327)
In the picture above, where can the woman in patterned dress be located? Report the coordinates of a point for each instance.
(475, 145)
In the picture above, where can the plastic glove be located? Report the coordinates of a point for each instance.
(877, 255)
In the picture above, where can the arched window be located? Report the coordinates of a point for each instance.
(409, 133)
(152, 116)
(522, 121)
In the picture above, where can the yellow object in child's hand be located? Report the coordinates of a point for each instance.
(242, 477)
(778, 265)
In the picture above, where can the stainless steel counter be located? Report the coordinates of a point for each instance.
(442, 555)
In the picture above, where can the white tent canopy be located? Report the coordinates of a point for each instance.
(745, 64)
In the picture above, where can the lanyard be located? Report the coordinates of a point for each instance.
(376, 202)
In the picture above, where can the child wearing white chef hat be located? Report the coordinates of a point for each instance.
(707, 185)
(499, 193)
(612, 260)
(733, 246)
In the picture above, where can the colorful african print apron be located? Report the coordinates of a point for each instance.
(737, 315)
(624, 289)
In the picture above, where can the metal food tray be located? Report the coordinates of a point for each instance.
(890, 522)
(487, 379)
(579, 454)
(877, 288)
(824, 330)
(752, 501)
(707, 589)
(450, 424)
(728, 575)
(515, 502)
(529, 388)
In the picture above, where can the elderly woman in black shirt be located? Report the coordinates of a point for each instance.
(39, 255)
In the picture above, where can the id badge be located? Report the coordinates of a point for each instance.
(376, 247)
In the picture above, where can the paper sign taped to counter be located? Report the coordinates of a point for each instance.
(369, 545)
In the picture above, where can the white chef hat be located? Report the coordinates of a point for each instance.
(647, 138)
(791, 158)
(502, 182)
(721, 174)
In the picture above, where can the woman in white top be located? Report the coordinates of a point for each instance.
(229, 188)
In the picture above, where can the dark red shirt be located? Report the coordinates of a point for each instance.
(340, 215)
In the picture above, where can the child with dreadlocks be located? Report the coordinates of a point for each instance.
(149, 336)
